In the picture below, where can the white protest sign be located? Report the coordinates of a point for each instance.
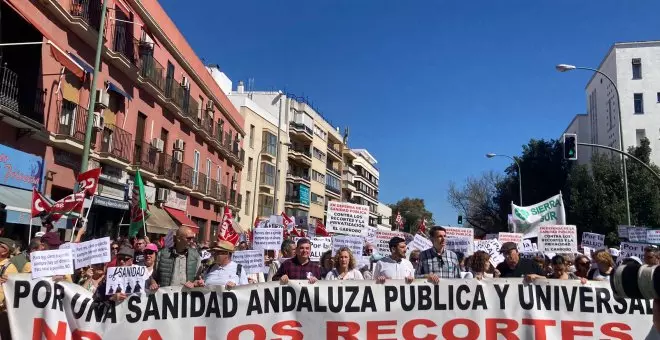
(354, 243)
(362, 261)
(67, 245)
(383, 241)
(91, 252)
(347, 218)
(252, 261)
(127, 280)
(593, 240)
(557, 239)
(51, 262)
(492, 247)
(369, 234)
(586, 251)
(267, 238)
(516, 238)
(460, 240)
(420, 243)
(276, 220)
(653, 236)
(629, 249)
(527, 246)
(622, 230)
(637, 234)
(319, 246)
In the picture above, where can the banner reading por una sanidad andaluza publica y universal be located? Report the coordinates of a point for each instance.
(453, 309)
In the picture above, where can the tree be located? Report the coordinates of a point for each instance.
(475, 201)
(643, 187)
(413, 210)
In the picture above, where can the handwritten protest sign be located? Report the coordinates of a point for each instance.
(622, 230)
(653, 236)
(92, 252)
(492, 247)
(354, 243)
(252, 261)
(369, 234)
(557, 239)
(127, 280)
(383, 239)
(527, 246)
(267, 238)
(460, 240)
(593, 240)
(420, 243)
(637, 234)
(629, 249)
(319, 246)
(347, 218)
(51, 262)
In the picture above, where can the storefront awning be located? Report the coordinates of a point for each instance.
(180, 217)
(114, 88)
(159, 221)
(85, 66)
(19, 203)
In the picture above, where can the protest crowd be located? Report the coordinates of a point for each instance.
(279, 250)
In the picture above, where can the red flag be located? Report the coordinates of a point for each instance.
(399, 220)
(320, 229)
(40, 204)
(288, 222)
(71, 205)
(88, 181)
(422, 227)
(227, 231)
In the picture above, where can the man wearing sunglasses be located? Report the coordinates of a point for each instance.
(140, 243)
(224, 271)
(178, 266)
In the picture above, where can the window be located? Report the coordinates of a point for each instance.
(252, 136)
(269, 143)
(266, 204)
(333, 183)
(637, 68)
(639, 135)
(319, 132)
(218, 176)
(195, 167)
(639, 103)
(317, 176)
(248, 202)
(249, 169)
(658, 94)
(208, 175)
(268, 174)
(318, 154)
(317, 199)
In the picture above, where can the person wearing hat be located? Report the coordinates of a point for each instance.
(224, 271)
(51, 240)
(438, 262)
(395, 266)
(514, 266)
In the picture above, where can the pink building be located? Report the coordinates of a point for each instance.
(158, 109)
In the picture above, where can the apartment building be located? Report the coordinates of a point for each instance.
(158, 110)
(633, 66)
(366, 183)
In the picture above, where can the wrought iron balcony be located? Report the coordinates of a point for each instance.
(117, 142)
(123, 41)
(72, 121)
(146, 157)
(87, 10)
(150, 68)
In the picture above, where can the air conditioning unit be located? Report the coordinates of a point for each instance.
(178, 156)
(185, 82)
(102, 99)
(210, 106)
(161, 195)
(158, 144)
(98, 121)
(179, 144)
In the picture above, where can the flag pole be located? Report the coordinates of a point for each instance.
(144, 223)
(30, 232)
(84, 218)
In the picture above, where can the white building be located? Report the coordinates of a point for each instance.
(385, 216)
(634, 67)
(366, 183)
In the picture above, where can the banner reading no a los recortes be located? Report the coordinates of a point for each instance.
(453, 309)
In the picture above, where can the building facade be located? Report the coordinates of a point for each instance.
(632, 66)
(157, 110)
(366, 183)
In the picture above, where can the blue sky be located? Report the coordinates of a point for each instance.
(428, 87)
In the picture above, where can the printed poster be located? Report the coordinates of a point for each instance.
(557, 239)
(347, 218)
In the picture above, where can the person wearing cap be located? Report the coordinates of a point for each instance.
(223, 271)
(438, 262)
(395, 266)
(124, 259)
(150, 251)
(299, 267)
(514, 266)
(178, 266)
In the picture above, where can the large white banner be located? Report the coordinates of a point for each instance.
(530, 218)
(453, 309)
(347, 218)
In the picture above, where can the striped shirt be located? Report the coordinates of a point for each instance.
(445, 265)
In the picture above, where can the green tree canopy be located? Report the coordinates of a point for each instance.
(413, 210)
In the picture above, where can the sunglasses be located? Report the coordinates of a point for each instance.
(115, 248)
(149, 252)
(585, 263)
(123, 258)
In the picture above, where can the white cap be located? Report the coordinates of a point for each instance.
(39, 234)
(614, 252)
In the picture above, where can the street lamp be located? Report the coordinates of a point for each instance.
(277, 98)
(491, 155)
(566, 68)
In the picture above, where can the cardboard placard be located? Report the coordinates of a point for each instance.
(557, 239)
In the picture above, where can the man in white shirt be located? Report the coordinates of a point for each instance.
(224, 271)
(396, 266)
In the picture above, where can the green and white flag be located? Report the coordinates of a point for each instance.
(139, 212)
(548, 212)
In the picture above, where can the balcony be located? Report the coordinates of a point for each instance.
(304, 156)
(123, 41)
(347, 182)
(146, 157)
(299, 177)
(335, 152)
(72, 121)
(214, 189)
(333, 170)
(179, 174)
(89, 11)
(332, 190)
(199, 184)
(207, 125)
(116, 143)
(19, 102)
(239, 201)
(223, 193)
(151, 69)
(233, 196)
(265, 180)
(294, 200)
(302, 131)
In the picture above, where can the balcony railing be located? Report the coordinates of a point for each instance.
(174, 171)
(302, 127)
(72, 120)
(200, 183)
(117, 142)
(207, 123)
(333, 169)
(219, 133)
(223, 193)
(239, 201)
(150, 68)
(192, 108)
(300, 175)
(87, 10)
(123, 41)
(214, 189)
(333, 189)
(232, 197)
(334, 148)
(146, 157)
(8, 88)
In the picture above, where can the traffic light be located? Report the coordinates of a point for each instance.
(570, 146)
(460, 220)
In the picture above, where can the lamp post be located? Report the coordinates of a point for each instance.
(279, 98)
(92, 90)
(491, 155)
(566, 68)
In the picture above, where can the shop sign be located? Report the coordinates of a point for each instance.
(111, 203)
(19, 169)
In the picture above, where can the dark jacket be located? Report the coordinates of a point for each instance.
(165, 266)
